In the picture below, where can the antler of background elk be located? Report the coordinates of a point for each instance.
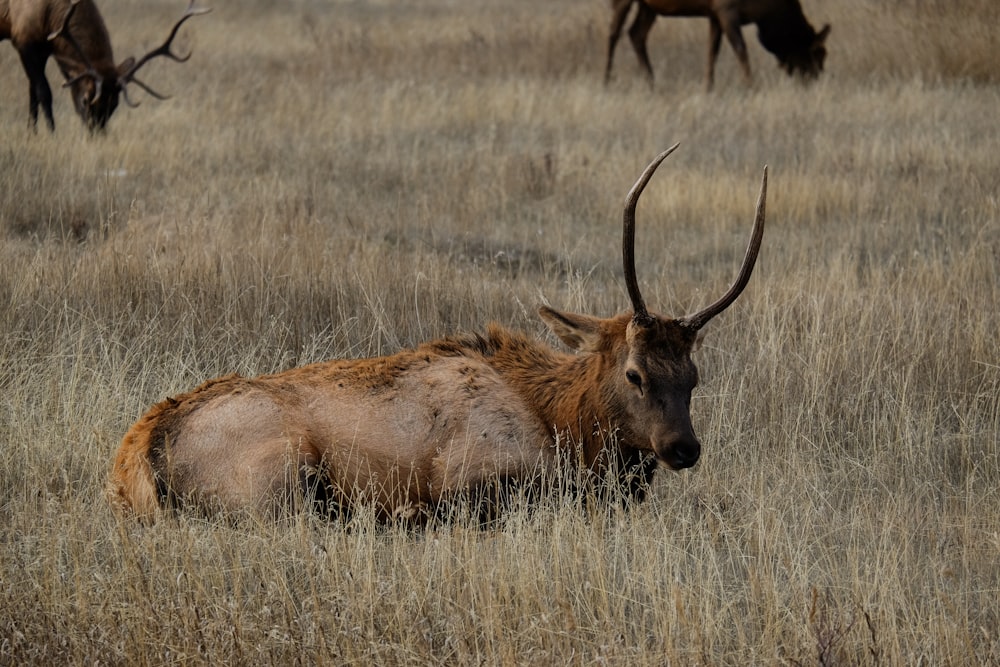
(129, 75)
(162, 50)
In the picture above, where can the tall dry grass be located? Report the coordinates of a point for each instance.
(346, 179)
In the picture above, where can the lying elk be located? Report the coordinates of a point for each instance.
(74, 32)
(460, 415)
(782, 29)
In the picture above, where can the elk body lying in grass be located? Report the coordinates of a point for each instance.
(409, 432)
(782, 29)
(74, 32)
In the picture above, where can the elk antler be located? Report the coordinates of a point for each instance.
(89, 70)
(701, 318)
(162, 50)
(640, 314)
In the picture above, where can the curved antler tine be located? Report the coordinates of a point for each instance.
(177, 26)
(127, 99)
(701, 318)
(641, 315)
(164, 49)
(65, 23)
(149, 90)
(82, 75)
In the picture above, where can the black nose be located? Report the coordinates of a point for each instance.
(682, 453)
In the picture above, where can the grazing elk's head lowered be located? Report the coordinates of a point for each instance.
(470, 414)
(782, 29)
(73, 32)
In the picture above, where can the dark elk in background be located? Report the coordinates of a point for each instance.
(782, 29)
(74, 32)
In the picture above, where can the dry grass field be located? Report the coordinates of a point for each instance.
(349, 178)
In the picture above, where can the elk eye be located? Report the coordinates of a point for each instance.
(634, 378)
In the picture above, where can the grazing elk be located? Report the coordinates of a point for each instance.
(469, 414)
(74, 33)
(782, 29)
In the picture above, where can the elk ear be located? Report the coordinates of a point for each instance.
(126, 65)
(823, 34)
(580, 332)
(696, 345)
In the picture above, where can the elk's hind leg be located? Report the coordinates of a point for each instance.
(238, 451)
(731, 27)
(272, 478)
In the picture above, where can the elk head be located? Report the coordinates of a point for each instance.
(99, 83)
(807, 59)
(649, 388)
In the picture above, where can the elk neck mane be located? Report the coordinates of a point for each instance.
(95, 41)
(565, 391)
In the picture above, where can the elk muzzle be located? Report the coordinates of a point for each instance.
(677, 449)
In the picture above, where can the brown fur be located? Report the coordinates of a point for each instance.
(88, 65)
(408, 432)
(781, 27)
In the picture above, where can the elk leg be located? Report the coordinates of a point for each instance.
(496, 498)
(33, 60)
(638, 32)
(731, 26)
(620, 11)
(714, 42)
(318, 492)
